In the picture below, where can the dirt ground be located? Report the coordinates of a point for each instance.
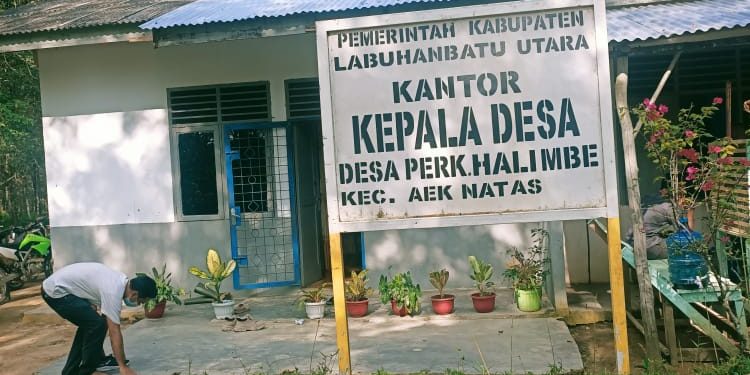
(26, 347)
(597, 346)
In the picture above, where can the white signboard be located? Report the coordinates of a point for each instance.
(469, 115)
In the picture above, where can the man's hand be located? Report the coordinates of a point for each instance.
(125, 370)
(115, 337)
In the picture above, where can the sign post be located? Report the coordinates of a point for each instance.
(488, 114)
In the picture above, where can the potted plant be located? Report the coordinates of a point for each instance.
(527, 271)
(314, 300)
(442, 304)
(357, 295)
(216, 272)
(165, 292)
(481, 273)
(402, 293)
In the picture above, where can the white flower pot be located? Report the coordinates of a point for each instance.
(315, 310)
(223, 309)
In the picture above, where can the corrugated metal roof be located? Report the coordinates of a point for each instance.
(626, 23)
(676, 18)
(209, 11)
(69, 14)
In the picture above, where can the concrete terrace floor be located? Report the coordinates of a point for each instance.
(188, 341)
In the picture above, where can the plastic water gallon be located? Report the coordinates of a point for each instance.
(687, 268)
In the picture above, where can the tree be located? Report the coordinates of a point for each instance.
(22, 176)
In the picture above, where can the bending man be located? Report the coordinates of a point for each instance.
(75, 292)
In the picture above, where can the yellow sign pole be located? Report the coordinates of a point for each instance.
(619, 317)
(339, 304)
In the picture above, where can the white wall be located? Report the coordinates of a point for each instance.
(107, 142)
(108, 168)
(106, 126)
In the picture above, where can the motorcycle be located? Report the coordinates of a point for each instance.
(25, 255)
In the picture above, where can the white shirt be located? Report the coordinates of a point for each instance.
(94, 282)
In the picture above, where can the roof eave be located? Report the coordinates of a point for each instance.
(732, 35)
(74, 37)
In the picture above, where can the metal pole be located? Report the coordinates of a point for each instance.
(617, 287)
(339, 304)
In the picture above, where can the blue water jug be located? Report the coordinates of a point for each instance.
(687, 268)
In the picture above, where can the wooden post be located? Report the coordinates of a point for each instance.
(728, 108)
(619, 315)
(634, 200)
(339, 304)
(660, 86)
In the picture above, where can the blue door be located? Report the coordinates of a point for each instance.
(260, 184)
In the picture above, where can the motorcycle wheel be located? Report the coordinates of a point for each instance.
(14, 284)
(4, 293)
(48, 264)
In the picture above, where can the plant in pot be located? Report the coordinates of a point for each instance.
(527, 271)
(357, 294)
(442, 304)
(481, 273)
(165, 292)
(314, 301)
(402, 293)
(216, 271)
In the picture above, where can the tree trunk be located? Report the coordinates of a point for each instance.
(634, 200)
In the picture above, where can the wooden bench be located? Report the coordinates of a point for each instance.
(686, 302)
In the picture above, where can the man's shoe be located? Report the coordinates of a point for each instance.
(109, 363)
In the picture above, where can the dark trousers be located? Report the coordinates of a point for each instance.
(86, 351)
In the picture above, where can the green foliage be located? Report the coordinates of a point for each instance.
(438, 279)
(356, 288)
(313, 294)
(738, 365)
(527, 270)
(164, 289)
(22, 175)
(402, 290)
(216, 271)
(481, 273)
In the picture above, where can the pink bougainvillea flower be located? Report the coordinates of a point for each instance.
(714, 149)
(652, 115)
(745, 162)
(724, 161)
(646, 102)
(690, 154)
(689, 134)
(707, 186)
(691, 171)
(663, 109)
(718, 100)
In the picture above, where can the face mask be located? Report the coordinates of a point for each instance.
(130, 303)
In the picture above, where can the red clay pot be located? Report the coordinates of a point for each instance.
(157, 312)
(443, 306)
(483, 304)
(356, 309)
(396, 310)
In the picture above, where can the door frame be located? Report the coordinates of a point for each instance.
(230, 156)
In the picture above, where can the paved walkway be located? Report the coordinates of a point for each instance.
(187, 341)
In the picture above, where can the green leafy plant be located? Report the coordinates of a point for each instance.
(356, 288)
(313, 295)
(164, 289)
(527, 270)
(481, 273)
(216, 272)
(402, 290)
(438, 279)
